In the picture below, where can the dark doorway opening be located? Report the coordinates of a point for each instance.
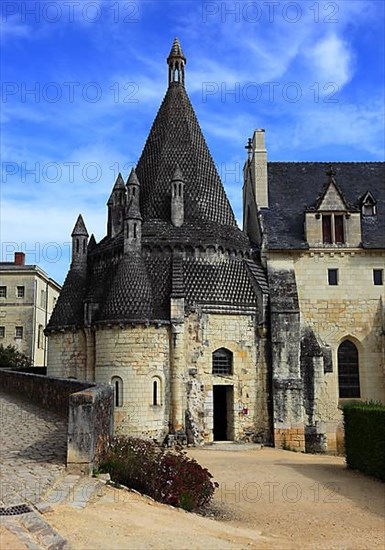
(223, 413)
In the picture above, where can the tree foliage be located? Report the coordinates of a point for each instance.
(12, 358)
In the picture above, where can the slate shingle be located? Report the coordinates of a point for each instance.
(296, 186)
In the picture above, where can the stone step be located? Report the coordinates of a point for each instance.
(34, 532)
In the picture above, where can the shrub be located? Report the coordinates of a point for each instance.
(365, 437)
(170, 477)
(12, 358)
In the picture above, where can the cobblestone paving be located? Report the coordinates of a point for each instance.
(33, 445)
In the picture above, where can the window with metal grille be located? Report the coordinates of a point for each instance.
(2, 332)
(19, 332)
(3, 291)
(222, 361)
(348, 371)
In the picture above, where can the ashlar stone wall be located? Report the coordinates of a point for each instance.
(205, 333)
(139, 356)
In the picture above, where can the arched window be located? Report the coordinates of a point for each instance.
(117, 383)
(348, 371)
(222, 361)
(156, 392)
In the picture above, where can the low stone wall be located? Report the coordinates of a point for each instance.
(90, 427)
(89, 408)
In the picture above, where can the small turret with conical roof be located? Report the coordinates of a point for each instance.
(132, 217)
(116, 204)
(79, 244)
(176, 62)
(177, 199)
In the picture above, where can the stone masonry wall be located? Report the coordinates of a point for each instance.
(139, 355)
(205, 333)
(353, 309)
(67, 354)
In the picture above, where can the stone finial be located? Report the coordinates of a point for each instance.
(176, 62)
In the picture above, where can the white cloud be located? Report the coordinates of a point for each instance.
(331, 60)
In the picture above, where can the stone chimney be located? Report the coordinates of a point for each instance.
(259, 168)
(19, 258)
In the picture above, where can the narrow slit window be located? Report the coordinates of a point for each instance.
(117, 384)
(155, 393)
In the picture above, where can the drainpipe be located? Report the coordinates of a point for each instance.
(45, 324)
(34, 323)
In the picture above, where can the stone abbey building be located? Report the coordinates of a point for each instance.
(213, 333)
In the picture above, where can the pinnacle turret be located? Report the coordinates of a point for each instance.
(176, 62)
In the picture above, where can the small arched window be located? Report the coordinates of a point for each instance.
(348, 370)
(156, 392)
(117, 383)
(222, 361)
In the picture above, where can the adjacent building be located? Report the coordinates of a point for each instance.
(320, 232)
(27, 299)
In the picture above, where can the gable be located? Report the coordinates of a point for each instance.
(332, 199)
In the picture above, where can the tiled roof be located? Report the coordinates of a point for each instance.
(130, 295)
(69, 308)
(176, 139)
(296, 186)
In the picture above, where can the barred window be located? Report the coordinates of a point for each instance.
(19, 332)
(222, 361)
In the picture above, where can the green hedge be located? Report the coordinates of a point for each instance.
(365, 437)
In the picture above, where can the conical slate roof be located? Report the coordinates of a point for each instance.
(130, 296)
(176, 139)
(80, 228)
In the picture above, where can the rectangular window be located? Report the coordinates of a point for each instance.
(327, 229)
(3, 291)
(339, 229)
(19, 332)
(42, 298)
(20, 292)
(378, 276)
(2, 332)
(333, 277)
(40, 337)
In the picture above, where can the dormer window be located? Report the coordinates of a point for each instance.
(333, 231)
(368, 205)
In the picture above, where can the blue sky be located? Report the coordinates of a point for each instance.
(82, 82)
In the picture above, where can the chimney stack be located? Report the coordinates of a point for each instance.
(19, 258)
